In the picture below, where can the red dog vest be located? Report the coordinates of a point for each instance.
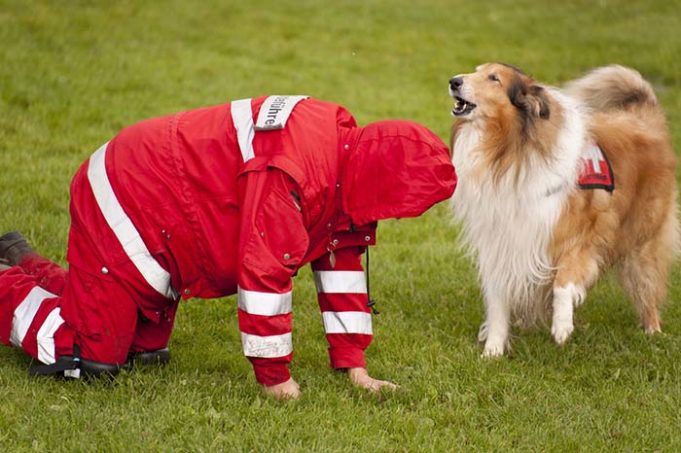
(596, 172)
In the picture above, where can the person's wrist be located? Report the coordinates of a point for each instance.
(269, 374)
(346, 358)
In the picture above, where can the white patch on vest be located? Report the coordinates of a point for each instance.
(595, 155)
(275, 112)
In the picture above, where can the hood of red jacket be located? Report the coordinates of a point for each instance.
(395, 169)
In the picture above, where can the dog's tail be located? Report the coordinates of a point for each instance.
(613, 87)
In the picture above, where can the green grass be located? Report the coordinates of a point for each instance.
(72, 73)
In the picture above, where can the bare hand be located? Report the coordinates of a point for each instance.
(288, 390)
(360, 377)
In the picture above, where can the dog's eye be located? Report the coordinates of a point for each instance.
(493, 78)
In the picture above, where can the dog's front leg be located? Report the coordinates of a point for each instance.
(565, 298)
(495, 330)
(577, 271)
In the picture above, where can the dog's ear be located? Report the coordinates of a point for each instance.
(531, 99)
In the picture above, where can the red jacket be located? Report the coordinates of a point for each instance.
(224, 207)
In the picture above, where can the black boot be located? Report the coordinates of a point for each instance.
(74, 366)
(157, 357)
(13, 248)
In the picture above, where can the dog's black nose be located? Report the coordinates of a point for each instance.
(456, 82)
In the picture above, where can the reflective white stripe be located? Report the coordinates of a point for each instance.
(264, 304)
(123, 228)
(45, 337)
(242, 117)
(347, 322)
(330, 282)
(25, 312)
(267, 347)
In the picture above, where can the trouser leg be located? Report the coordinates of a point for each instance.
(103, 315)
(30, 317)
(151, 336)
(150, 345)
(93, 321)
(48, 274)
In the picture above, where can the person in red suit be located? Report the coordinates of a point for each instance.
(229, 199)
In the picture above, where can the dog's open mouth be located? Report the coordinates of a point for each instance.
(462, 107)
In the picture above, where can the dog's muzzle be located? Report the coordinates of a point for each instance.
(462, 106)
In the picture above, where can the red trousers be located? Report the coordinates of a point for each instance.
(45, 309)
(113, 327)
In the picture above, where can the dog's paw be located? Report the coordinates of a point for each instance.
(561, 331)
(652, 330)
(493, 349)
(651, 323)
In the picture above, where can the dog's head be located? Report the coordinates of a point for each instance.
(496, 91)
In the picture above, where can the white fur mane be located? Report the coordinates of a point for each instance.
(508, 223)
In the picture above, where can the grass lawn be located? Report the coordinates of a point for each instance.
(72, 73)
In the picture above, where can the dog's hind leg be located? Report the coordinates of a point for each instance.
(644, 274)
(576, 273)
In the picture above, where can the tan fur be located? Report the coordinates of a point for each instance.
(636, 227)
(612, 87)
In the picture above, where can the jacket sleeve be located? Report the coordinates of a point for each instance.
(342, 295)
(272, 243)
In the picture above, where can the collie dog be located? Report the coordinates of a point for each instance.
(557, 186)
